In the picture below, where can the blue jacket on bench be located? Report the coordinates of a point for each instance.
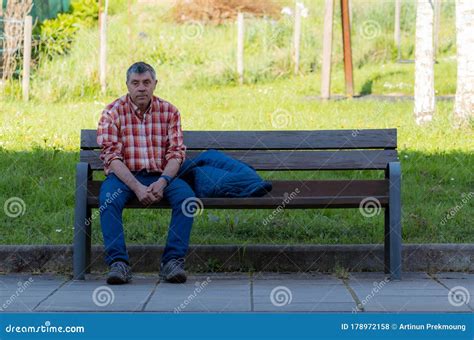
(214, 174)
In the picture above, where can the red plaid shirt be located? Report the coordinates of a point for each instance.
(141, 140)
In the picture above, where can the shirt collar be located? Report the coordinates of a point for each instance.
(135, 108)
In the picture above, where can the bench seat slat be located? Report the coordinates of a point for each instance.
(298, 195)
(292, 160)
(277, 140)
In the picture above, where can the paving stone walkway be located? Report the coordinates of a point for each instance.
(242, 292)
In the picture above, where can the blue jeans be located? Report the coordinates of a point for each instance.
(114, 194)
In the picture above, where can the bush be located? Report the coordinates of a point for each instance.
(57, 35)
(85, 12)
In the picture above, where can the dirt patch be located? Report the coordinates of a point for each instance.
(218, 11)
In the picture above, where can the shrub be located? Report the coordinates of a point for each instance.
(57, 35)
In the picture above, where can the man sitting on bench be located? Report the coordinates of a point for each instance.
(142, 150)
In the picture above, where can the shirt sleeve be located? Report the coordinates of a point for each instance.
(176, 148)
(108, 137)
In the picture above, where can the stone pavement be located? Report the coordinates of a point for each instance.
(242, 292)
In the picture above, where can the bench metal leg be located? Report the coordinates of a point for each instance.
(88, 240)
(393, 223)
(82, 222)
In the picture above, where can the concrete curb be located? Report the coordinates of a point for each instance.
(222, 258)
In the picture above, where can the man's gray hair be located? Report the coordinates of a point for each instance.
(140, 68)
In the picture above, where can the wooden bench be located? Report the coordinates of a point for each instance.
(275, 151)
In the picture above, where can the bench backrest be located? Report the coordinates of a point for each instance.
(284, 150)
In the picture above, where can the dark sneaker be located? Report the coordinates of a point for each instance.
(119, 273)
(173, 271)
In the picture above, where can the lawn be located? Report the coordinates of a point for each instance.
(39, 140)
(40, 147)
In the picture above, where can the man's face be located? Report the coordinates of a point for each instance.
(140, 87)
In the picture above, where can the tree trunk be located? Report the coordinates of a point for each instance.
(464, 105)
(424, 62)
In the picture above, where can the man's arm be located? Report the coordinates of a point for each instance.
(108, 136)
(124, 174)
(175, 154)
(171, 169)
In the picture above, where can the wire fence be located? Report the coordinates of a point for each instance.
(12, 48)
(11, 44)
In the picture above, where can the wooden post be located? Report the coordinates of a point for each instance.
(346, 40)
(100, 12)
(327, 50)
(437, 17)
(240, 47)
(396, 32)
(103, 50)
(350, 10)
(297, 38)
(27, 57)
(129, 29)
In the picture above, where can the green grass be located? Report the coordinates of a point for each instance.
(40, 148)
(39, 140)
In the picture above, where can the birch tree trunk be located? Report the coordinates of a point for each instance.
(464, 105)
(424, 62)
